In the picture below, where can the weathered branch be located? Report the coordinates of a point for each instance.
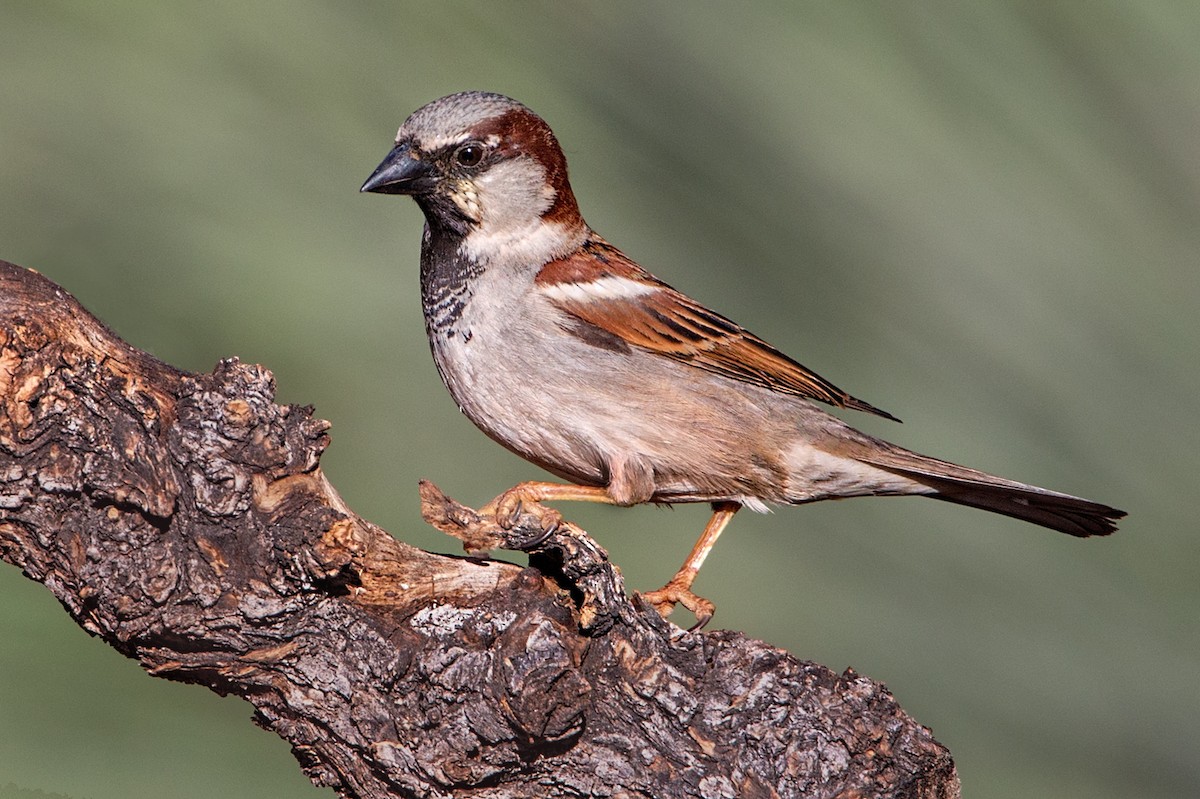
(185, 520)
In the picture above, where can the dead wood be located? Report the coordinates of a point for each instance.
(184, 519)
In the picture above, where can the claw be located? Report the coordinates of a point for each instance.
(515, 509)
(537, 540)
(675, 593)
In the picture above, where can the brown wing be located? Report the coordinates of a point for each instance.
(618, 300)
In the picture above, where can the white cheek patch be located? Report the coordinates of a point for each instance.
(509, 199)
(513, 192)
(606, 288)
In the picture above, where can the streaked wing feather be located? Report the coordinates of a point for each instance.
(655, 317)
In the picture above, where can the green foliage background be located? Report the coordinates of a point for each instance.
(982, 217)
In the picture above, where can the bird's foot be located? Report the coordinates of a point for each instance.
(510, 521)
(519, 508)
(679, 592)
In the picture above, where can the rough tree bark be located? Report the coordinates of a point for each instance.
(184, 519)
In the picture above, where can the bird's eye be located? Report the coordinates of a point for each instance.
(470, 154)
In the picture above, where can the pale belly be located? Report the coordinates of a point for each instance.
(647, 427)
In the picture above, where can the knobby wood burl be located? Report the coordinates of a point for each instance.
(184, 519)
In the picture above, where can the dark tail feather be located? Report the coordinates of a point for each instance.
(976, 489)
(1067, 514)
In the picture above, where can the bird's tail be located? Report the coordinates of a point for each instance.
(964, 486)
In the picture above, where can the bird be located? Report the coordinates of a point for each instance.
(570, 354)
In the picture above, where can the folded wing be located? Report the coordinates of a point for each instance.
(615, 300)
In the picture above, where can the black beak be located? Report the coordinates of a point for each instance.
(400, 173)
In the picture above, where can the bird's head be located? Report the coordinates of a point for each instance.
(484, 167)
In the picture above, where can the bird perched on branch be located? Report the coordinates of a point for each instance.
(564, 350)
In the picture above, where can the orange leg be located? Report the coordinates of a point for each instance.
(678, 590)
(526, 498)
(538, 491)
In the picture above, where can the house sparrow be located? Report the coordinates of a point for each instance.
(564, 350)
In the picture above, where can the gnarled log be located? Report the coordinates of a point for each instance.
(184, 519)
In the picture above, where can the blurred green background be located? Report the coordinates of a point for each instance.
(982, 217)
